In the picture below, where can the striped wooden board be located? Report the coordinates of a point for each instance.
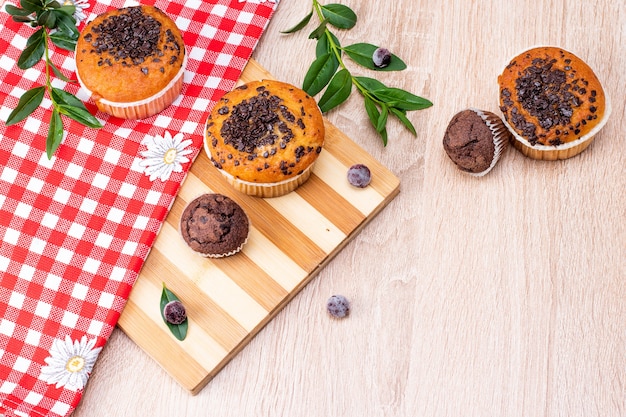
(229, 300)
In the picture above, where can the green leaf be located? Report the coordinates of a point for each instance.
(401, 99)
(339, 15)
(319, 31)
(47, 19)
(378, 120)
(58, 72)
(37, 36)
(55, 133)
(337, 92)
(370, 84)
(22, 19)
(405, 121)
(81, 115)
(324, 46)
(33, 52)
(381, 123)
(300, 25)
(372, 110)
(178, 330)
(27, 104)
(60, 39)
(62, 97)
(68, 10)
(375, 117)
(16, 11)
(32, 5)
(320, 73)
(384, 136)
(67, 25)
(362, 54)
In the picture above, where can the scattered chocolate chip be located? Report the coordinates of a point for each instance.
(132, 35)
(254, 123)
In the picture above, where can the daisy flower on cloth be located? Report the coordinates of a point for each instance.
(81, 6)
(165, 154)
(70, 362)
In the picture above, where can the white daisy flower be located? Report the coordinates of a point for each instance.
(70, 363)
(164, 155)
(80, 5)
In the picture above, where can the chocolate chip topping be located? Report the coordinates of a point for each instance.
(214, 224)
(544, 93)
(547, 94)
(255, 123)
(131, 37)
(265, 133)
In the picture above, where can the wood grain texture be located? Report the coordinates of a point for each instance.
(498, 296)
(229, 300)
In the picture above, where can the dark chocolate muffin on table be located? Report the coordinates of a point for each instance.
(214, 226)
(474, 140)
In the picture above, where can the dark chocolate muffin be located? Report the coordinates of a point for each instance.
(474, 140)
(214, 225)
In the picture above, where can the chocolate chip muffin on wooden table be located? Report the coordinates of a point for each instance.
(131, 60)
(474, 140)
(264, 137)
(553, 103)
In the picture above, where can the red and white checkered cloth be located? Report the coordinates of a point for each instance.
(76, 230)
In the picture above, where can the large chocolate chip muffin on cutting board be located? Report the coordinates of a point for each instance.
(265, 137)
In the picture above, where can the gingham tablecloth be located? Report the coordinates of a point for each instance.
(75, 230)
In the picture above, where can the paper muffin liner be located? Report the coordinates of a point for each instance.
(223, 255)
(264, 190)
(215, 255)
(564, 151)
(556, 152)
(271, 189)
(500, 135)
(142, 109)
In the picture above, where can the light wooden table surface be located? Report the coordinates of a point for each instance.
(496, 296)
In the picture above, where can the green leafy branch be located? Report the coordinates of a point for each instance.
(328, 71)
(57, 25)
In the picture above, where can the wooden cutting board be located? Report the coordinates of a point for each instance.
(292, 238)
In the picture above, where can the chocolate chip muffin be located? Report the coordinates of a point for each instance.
(474, 140)
(264, 137)
(131, 61)
(552, 102)
(214, 225)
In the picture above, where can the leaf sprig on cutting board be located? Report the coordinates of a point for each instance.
(55, 25)
(328, 71)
